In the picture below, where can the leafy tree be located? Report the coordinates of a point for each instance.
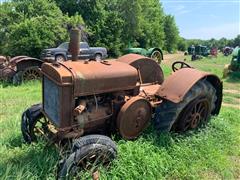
(182, 44)
(39, 24)
(130, 11)
(152, 19)
(171, 33)
(102, 19)
(236, 41)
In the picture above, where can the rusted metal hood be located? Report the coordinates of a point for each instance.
(92, 77)
(175, 87)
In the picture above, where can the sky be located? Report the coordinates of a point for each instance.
(205, 19)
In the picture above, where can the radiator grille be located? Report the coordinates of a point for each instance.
(51, 100)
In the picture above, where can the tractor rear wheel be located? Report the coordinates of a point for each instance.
(193, 111)
(31, 73)
(157, 56)
(88, 153)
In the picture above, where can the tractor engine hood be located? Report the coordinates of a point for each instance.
(91, 77)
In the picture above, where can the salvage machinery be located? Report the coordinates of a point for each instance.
(234, 66)
(83, 102)
(154, 53)
(19, 68)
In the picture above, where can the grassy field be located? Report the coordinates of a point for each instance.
(209, 153)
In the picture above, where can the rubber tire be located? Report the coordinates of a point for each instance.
(98, 55)
(167, 113)
(64, 59)
(83, 146)
(29, 119)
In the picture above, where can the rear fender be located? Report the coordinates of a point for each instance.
(151, 50)
(27, 62)
(176, 86)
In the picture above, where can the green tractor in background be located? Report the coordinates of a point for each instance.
(199, 52)
(235, 63)
(154, 53)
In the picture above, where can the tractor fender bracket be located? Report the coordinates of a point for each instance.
(176, 86)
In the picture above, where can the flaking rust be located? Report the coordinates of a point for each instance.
(84, 98)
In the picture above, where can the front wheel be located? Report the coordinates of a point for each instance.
(60, 58)
(33, 124)
(88, 152)
(98, 57)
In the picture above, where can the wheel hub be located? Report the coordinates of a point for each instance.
(195, 120)
(133, 117)
(30, 74)
(195, 113)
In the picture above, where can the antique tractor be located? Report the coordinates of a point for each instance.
(227, 51)
(153, 53)
(199, 52)
(19, 68)
(235, 63)
(82, 101)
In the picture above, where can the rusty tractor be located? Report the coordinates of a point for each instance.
(19, 68)
(85, 101)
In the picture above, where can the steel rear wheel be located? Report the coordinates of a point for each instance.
(157, 56)
(31, 73)
(195, 114)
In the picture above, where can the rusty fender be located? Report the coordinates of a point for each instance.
(176, 86)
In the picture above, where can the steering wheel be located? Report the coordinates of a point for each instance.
(179, 65)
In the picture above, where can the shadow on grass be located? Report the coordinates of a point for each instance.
(6, 84)
(14, 142)
(168, 139)
(233, 77)
(38, 161)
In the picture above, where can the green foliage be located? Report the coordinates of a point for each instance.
(171, 33)
(182, 44)
(130, 11)
(152, 19)
(117, 24)
(30, 26)
(220, 44)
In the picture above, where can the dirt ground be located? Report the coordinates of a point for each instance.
(171, 58)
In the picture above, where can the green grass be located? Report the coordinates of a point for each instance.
(212, 152)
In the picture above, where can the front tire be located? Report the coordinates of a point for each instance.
(98, 57)
(176, 117)
(33, 120)
(87, 153)
(60, 58)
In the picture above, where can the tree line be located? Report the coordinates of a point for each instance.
(28, 26)
(214, 43)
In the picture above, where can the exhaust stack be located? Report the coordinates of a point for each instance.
(74, 43)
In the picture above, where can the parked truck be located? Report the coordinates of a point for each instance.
(61, 53)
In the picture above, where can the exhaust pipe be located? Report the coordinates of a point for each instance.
(74, 43)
